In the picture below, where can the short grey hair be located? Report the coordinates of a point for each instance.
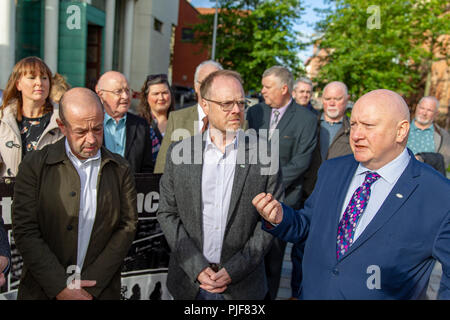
(337, 83)
(430, 98)
(211, 62)
(303, 80)
(283, 74)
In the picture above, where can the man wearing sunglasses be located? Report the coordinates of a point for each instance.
(124, 132)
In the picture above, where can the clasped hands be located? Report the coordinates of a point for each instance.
(214, 282)
(75, 290)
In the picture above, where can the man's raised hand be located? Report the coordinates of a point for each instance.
(269, 208)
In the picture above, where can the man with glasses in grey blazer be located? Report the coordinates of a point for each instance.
(206, 213)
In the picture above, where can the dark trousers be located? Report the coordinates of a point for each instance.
(206, 295)
(297, 274)
(274, 263)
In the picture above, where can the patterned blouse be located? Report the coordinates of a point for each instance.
(31, 130)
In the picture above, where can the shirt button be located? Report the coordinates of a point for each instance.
(69, 227)
(73, 194)
(335, 271)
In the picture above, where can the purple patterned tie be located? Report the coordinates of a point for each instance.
(354, 210)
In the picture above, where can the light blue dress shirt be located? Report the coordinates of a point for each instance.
(380, 189)
(115, 134)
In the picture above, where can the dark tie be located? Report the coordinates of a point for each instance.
(205, 124)
(355, 208)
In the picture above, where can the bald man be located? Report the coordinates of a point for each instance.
(377, 220)
(74, 214)
(125, 133)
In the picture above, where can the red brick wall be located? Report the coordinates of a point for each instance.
(187, 55)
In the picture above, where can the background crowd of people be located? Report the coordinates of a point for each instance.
(74, 153)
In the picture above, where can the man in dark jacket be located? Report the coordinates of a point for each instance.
(74, 213)
(333, 132)
(124, 132)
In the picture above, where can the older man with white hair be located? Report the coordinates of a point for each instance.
(425, 136)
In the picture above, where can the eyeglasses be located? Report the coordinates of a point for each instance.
(119, 91)
(161, 76)
(228, 105)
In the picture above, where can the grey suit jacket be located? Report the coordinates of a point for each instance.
(180, 216)
(297, 140)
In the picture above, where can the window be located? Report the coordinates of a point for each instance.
(187, 34)
(157, 25)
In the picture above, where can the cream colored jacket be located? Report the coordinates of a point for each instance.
(11, 141)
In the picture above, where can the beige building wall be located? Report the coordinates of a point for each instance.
(151, 48)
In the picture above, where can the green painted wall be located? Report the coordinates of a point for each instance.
(29, 28)
(73, 41)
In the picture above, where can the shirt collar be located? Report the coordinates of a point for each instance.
(282, 110)
(77, 161)
(390, 171)
(322, 118)
(415, 128)
(201, 113)
(108, 118)
(232, 145)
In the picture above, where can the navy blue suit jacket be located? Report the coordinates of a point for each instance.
(409, 232)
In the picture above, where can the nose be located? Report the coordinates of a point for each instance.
(355, 133)
(236, 108)
(90, 138)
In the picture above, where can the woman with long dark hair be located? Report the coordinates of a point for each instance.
(157, 101)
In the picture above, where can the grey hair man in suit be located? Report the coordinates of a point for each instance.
(215, 236)
(296, 128)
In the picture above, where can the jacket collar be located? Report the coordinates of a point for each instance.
(57, 153)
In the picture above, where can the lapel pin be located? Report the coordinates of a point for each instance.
(399, 195)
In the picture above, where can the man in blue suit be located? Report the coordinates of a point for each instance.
(379, 240)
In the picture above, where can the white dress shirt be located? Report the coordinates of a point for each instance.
(217, 184)
(88, 171)
(380, 189)
(201, 115)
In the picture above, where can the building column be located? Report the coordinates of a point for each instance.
(7, 39)
(109, 33)
(128, 38)
(51, 34)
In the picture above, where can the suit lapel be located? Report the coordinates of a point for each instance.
(339, 202)
(194, 171)
(267, 112)
(189, 121)
(287, 117)
(130, 131)
(401, 192)
(240, 175)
